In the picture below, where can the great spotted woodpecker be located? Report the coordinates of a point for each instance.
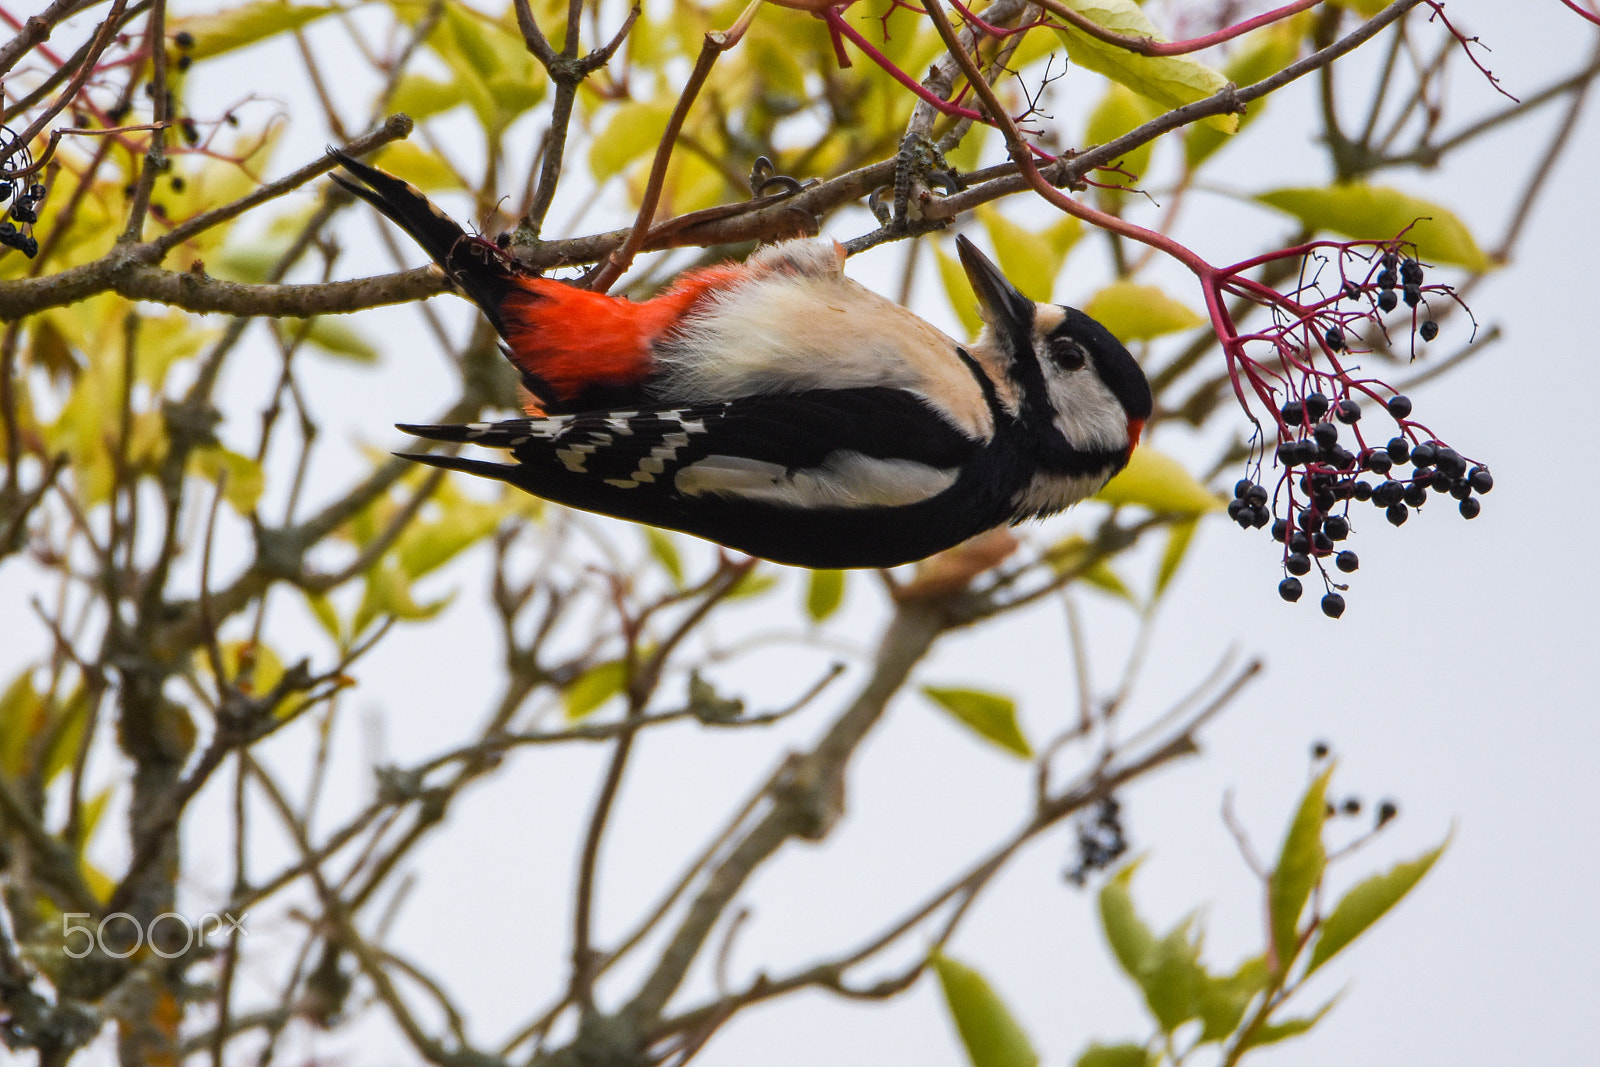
(781, 409)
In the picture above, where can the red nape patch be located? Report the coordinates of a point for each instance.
(572, 338)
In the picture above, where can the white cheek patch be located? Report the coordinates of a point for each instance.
(844, 480)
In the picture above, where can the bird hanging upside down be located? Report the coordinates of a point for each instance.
(783, 410)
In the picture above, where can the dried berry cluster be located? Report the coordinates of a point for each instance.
(1101, 841)
(23, 198)
(1325, 454)
(1351, 806)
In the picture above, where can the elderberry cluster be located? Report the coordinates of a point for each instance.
(1101, 841)
(1315, 521)
(22, 197)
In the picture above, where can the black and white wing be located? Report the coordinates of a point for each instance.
(824, 478)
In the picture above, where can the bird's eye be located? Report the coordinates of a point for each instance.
(1067, 353)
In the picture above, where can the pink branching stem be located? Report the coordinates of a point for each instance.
(991, 30)
(839, 26)
(1590, 15)
(1146, 46)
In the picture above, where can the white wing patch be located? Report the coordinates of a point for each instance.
(653, 464)
(844, 480)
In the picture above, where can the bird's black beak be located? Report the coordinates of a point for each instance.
(1005, 305)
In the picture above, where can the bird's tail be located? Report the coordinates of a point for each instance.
(478, 268)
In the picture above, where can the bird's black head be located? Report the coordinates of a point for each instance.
(1068, 371)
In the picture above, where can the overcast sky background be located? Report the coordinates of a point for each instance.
(1461, 682)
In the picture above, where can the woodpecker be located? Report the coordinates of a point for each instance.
(781, 409)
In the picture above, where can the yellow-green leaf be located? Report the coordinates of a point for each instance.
(245, 481)
(664, 550)
(824, 594)
(426, 546)
(1024, 256)
(755, 583)
(1119, 111)
(1123, 1055)
(959, 290)
(21, 717)
(634, 131)
(1156, 481)
(1171, 81)
(593, 688)
(1179, 537)
(990, 715)
(1379, 213)
(1300, 865)
(1135, 312)
(238, 27)
(1263, 54)
(991, 1035)
(1131, 940)
(1366, 903)
(337, 337)
(423, 97)
(423, 168)
(1365, 8)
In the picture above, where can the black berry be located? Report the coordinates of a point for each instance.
(1280, 530)
(1399, 450)
(1297, 564)
(1387, 300)
(1293, 413)
(1413, 295)
(1399, 406)
(1396, 514)
(1416, 494)
(1348, 411)
(1337, 527)
(1429, 330)
(1319, 750)
(1480, 478)
(1300, 542)
(1377, 462)
(1470, 508)
(1425, 455)
(1386, 279)
(1361, 490)
(1290, 589)
(1411, 272)
(1347, 561)
(1335, 338)
(1316, 407)
(1333, 605)
(1388, 493)
(1326, 433)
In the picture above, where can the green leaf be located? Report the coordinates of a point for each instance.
(634, 130)
(1366, 903)
(1168, 80)
(21, 717)
(423, 97)
(1103, 578)
(1137, 312)
(824, 594)
(1365, 8)
(1222, 1002)
(338, 338)
(1274, 1032)
(1131, 941)
(1156, 481)
(388, 592)
(755, 583)
(1378, 213)
(990, 715)
(425, 169)
(1124, 1055)
(246, 479)
(1179, 536)
(990, 1033)
(1300, 864)
(664, 550)
(462, 522)
(593, 688)
(323, 611)
(1172, 978)
(1263, 54)
(238, 27)
(1120, 111)
(963, 301)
